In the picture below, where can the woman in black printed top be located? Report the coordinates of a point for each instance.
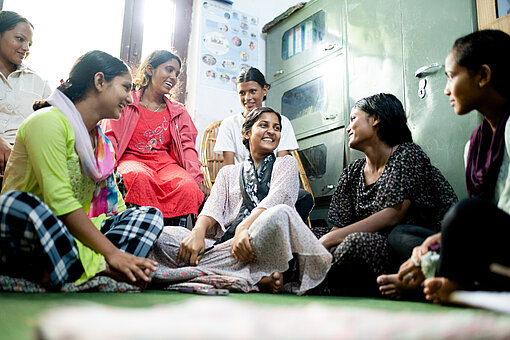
(393, 185)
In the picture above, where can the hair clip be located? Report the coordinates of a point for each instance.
(68, 83)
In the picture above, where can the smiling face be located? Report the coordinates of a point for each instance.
(251, 95)
(15, 44)
(117, 95)
(264, 135)
(164, 77)
(361, 128)
(462, 87)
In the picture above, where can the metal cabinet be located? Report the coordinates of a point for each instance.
(306, 66)
(322, 156)
(303, 39)
(368, 47)
(314, 100)
(435, 127)
(388, 41)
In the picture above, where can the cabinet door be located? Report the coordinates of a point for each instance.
(306, 37)
(323, 159)
(429, 31)
(313, 100)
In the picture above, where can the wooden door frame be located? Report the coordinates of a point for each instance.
(132, 37)
(132, 33)
(182, 33)
(486, 10)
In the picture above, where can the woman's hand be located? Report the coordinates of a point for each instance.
(133, 267)
(332, 239)
(421, 250)
(191, 247)
(5, 152)
(205, 190)
(429, 242)
(411, 268)
(241, 247)
(127, 265)
(409, 271)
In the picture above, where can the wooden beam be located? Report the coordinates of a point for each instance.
(486, 10)
(182, 33)
(132, 33)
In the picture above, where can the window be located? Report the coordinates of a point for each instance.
(493, 14)
(502, 8)
(304, 35)
(158, 32)
(306, 99)
(64, 30)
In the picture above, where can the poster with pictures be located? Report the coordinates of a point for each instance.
(229, 43)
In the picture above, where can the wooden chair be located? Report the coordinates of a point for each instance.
(303, 179)
(212, 162)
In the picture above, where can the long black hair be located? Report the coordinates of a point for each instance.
(156, 58)
(392, 128)
(81, 77)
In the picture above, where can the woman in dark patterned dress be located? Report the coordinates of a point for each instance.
(393, 185)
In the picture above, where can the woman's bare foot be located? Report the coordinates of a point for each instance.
(392, 287)
(438, 289)
(272, 284)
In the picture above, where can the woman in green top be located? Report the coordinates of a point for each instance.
(62, 218)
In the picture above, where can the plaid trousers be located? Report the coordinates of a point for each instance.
(32, 238)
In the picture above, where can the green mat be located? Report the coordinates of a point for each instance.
(19, 311)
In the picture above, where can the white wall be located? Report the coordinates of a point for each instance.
(206, 104)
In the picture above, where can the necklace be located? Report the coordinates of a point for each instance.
(157, 110)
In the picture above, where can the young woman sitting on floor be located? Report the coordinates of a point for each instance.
(249, 227)
(393, 185)
(475, 233)
(62, 218)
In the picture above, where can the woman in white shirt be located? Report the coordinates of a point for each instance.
(20, 87)
(252, 91)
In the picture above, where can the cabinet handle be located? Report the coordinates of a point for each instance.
(425, 70)
(328, 187)
(330, 47)
(331, 116)
(278, 73)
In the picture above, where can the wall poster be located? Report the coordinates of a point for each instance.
(229, 43)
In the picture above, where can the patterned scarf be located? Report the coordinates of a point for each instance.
(485, 157)
(97, 165)
(255, 184)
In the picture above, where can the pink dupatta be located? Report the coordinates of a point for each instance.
(98, 164)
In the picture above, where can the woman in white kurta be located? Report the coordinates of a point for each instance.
(267, 237)
(20, 86)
